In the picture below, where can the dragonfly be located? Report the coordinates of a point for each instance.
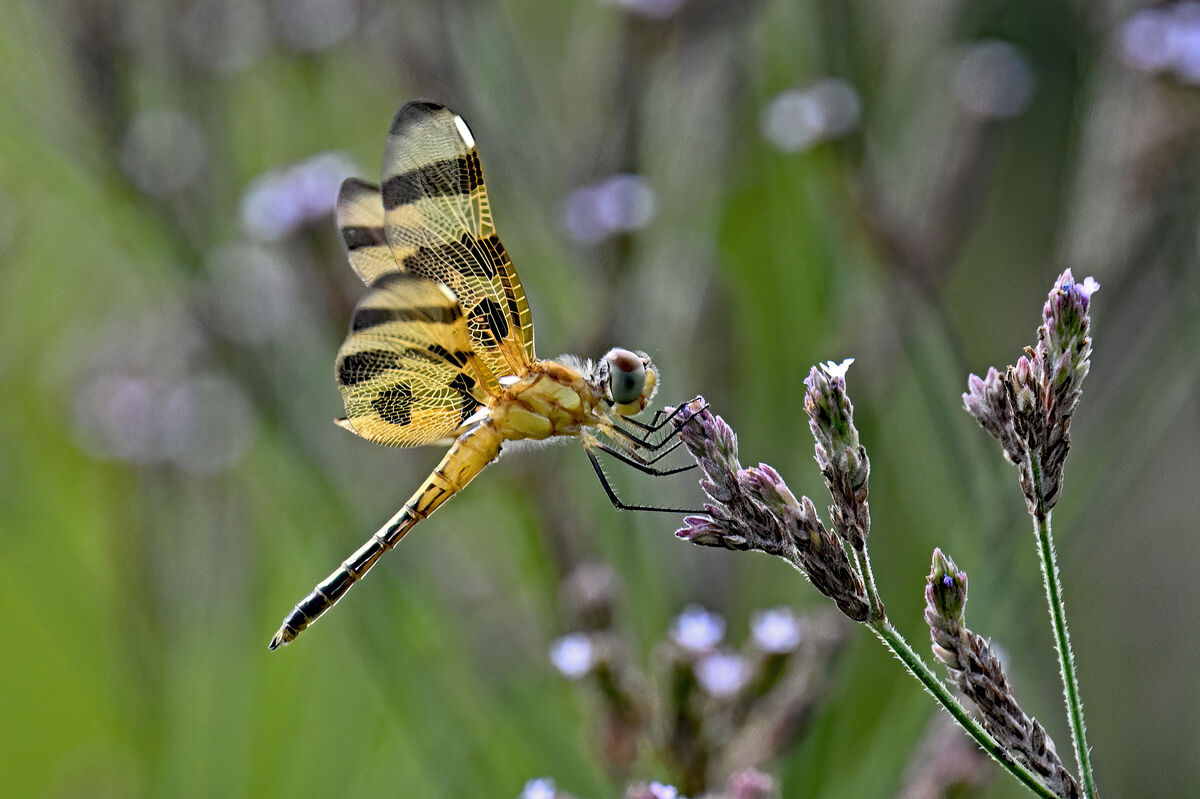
(440, 348)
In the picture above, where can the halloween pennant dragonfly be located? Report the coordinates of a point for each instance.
(440, 349)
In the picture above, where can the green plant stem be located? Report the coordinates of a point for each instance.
(919, 669)
(864, 568)
(1062, 639)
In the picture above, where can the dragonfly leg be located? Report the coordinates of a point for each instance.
(643, 465)
(645, 441)
(633, 449)
(589, 445)
(655, 424)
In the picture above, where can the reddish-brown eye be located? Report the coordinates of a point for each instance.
(626, 376)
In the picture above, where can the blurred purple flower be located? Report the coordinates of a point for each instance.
(1164, 40)
(653, 790)
(202, 423)
(656, 9)
(110, 413)
(573, 656)
(776, 630)
(315, 25)
(223, 36)
(539, 788)
(993, 80)
(750, 783)
(799, 118)
(698, 630)
(163, 151)
(278, 202)
(722, 674)
(254, 290)
(207, 424)
(619, 204)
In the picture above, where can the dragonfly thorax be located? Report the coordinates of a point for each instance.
(552, 399)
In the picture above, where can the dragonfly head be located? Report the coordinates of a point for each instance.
(629, 379)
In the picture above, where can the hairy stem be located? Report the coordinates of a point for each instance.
(924, 675)
(877, 612)
(1062, 639)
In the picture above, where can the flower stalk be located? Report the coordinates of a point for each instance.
(753, 510)
(1028, 408)
(1062, 645)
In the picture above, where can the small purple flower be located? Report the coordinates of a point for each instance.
(698, 630)
(660, 790)
(279, 201)
(988, 400)
(539, 788)
(1164, 40)
(994, 80)
(621, 203)
(722, 674)
(750, 783)
(573, 656)
(164, 151)
(653, 9)
(797, 119)
(776, 630)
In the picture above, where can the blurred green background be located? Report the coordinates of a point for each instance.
(810, 180)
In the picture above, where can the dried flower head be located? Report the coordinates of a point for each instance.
(842, 459)
(1028, 408)
(976, 670)
(753, 509)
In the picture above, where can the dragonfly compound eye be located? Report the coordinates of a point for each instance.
(626, 376)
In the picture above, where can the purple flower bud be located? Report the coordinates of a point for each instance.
(946, 591)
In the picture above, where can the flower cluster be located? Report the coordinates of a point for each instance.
(976, 670)
(721, 711)
(1028, 407)
(753, 509)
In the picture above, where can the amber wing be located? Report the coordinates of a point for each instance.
(432, 214)
(406, 371)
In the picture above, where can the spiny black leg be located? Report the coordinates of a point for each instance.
(655, 425)
(642, 466)
(636, 440)
(638, 456)
(612, 495)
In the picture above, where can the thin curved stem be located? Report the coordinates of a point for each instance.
(919, 669)
(1062, 638)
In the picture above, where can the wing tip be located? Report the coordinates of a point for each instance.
(412, 113)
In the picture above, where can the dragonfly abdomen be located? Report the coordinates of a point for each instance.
(466, 458)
